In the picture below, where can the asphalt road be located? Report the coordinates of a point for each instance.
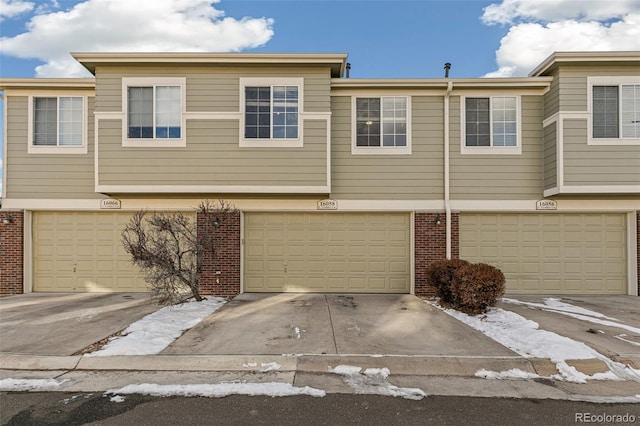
(55, 408)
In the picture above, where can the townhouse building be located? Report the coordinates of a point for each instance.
(341, 185)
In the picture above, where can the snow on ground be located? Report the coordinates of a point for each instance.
(217, 390)
(156, 331)
(40, 385)
(373, 381)
(525, 338)
(556, 306)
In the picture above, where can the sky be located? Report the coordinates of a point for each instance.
(384, 39)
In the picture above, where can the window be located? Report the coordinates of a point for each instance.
(153, 111)
(271, 112)
(616, 111)
(381, 125)
(491, 125)
(57, 124)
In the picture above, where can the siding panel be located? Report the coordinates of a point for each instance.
(213, 157)
(496, 177)
(415, 176)
(550, 156)
(597, 164)
(45, 175)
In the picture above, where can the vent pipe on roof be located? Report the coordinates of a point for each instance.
(447, 67)
(348, 69)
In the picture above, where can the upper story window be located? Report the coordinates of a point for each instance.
(154, 111)
(615, 109)
(490, 125)
(57, 125)
(271, 111)
(381, 125)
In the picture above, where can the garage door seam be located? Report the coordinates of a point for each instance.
(333, 333)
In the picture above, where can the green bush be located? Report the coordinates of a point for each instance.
(440, 275)
(464, 286)
(475, 287)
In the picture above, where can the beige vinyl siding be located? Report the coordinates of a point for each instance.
(45, 175)
(572, 81)
(552, 98)
(597, 164)
(415, 176)
(499, 177)
(213, 157)
(550, 156)
(213, 88)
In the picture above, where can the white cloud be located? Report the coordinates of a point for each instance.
(132, 26)
(542, 27)
(556, 10)
(11, 8)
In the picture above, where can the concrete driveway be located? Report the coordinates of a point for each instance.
(63, 323)
(302, 323)
(617, 335)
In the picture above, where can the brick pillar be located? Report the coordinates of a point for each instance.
(11, 252)
(431, 245)
(225, 258)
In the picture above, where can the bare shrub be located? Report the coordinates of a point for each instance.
(169, 250)
(477, 286)
(440, 275)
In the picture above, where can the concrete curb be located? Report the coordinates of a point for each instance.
(417, 365)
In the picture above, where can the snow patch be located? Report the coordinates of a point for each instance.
(15, 385)
(554, 304)
(117, 399)
(525, 338)
(218, 390)
(269, 366)
(373, 381)
(156, 331)
(514, 373)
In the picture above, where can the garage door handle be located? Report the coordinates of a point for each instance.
(285, 266)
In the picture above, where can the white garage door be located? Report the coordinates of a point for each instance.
(82, 252)
(550, 253)
(327, 252)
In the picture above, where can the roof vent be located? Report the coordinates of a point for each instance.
(447, 67)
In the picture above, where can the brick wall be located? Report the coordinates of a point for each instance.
(430, 245)
(11, 253)
(225, 257)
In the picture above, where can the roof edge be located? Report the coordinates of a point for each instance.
(51, 83)
(584, 56)
(89, 60)
(440, 83)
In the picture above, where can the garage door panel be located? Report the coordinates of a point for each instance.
(337, 252)
(576, 253)
(82, 251)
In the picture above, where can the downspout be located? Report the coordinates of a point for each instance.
(447, 204)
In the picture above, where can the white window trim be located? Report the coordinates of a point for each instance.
(379, 150)
(272, 143)
(152, 82)
(36, 149)
(608, 81)
(490, 150)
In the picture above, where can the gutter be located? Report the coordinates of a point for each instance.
(447, 201)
